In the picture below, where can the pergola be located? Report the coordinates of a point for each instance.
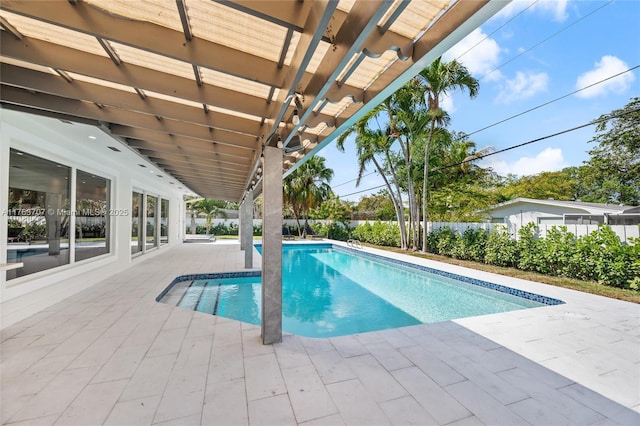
(219, 93)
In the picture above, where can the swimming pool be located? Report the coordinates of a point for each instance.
(330, 291)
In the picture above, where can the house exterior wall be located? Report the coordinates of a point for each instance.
(523, 213)
(63, 143)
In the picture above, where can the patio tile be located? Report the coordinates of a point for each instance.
(184, 393)
(19, 362)
(192, 420)
(77, 342)
(263, 377)
(56, 396)
(484, 406)
(39, 421)
(150, 378)
(179, 318)
(492, 383)
(291, 353)
(604, 406)
(274, 410)
(98, 352)
(194, 351)
(134, 412)
(201, 325)
(468, 421)
(388, 356)
(226, 363)
(348, 346)
(375, 378)
(333, 420)
(225, 403)
(547, 402)
(122, 364)
(93, 404)
(440, 372)
(314, 346)
(309, 398)
(332, 367)
(355, 404)
(406, 411)
(167, 342)
(436, 401)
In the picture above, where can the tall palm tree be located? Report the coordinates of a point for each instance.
(307, 187)
(371, 143)
(437, 80)
(210, 208)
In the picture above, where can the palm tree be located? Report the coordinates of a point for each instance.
(307, 187)
(370, 143)
(437, 79)
(210, 208)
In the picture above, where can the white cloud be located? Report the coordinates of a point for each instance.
(549, 160)
(446, 103)
(523, 86)
(480, 59)
(605, 68)
(556, 8)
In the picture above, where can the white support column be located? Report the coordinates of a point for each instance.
(272, 246)
(246, 224)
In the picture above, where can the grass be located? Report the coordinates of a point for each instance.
(570, 283)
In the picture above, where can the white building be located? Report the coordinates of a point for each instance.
(522, 211)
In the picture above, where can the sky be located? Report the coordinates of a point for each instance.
(530, 54)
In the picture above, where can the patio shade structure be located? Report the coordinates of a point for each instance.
(200, 87)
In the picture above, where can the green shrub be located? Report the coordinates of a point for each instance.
(470, 245)
(333, 230)
(378, 233)
(558, 251)
(530, 249)
(501, 249)
(599, 256)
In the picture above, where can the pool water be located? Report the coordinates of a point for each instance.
(327, 291)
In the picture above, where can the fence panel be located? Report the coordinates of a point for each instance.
(624, 232)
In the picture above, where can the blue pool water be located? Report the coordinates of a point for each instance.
(328, 291)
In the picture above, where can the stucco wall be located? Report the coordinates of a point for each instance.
(68, 144)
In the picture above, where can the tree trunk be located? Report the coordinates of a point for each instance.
(397, 205)
(425, 185)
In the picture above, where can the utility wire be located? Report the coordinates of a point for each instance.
(352, 180)
(552, 101)
(591, 123)
(548, 38)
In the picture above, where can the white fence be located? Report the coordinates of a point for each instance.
(624, 232)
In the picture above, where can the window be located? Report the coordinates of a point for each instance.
(136, 222)
(151, 225)
(583, 219)
(164, 221)
(92, 218)
(39, 215)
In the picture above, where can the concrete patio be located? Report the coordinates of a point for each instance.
(112, 355)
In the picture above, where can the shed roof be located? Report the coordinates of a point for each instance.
(591, 208)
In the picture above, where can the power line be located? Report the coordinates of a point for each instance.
(352, 180)
(549, 38)
(591, 123)
(552, 101)
(364, 190)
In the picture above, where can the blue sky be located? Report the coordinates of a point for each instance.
(529, 54)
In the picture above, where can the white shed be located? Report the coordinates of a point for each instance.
(521, 211)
